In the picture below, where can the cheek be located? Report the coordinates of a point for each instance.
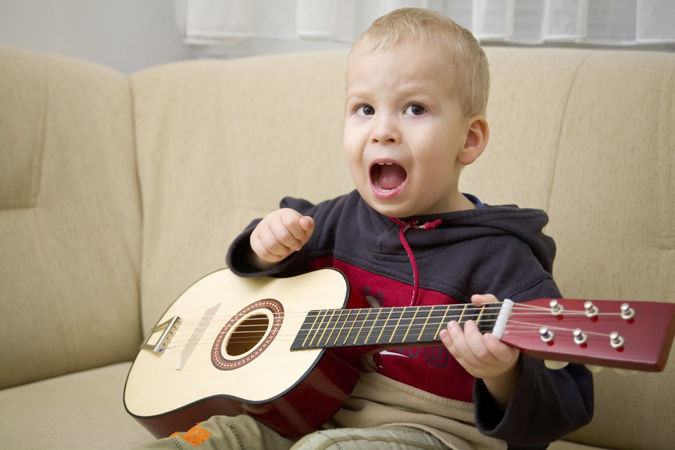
(353, 147)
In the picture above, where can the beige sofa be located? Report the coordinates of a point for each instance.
(117, 193)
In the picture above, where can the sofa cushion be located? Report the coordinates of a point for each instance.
(78, 411)
(70, 218)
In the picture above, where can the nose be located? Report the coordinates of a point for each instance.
(385, 130)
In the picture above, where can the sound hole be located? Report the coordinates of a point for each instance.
(247, 334)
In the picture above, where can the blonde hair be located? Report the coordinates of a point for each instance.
(455, 44)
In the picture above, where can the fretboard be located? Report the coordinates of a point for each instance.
(402, 326)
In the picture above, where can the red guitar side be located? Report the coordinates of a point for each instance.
(289, 351)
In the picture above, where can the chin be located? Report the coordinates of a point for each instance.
(390, 210)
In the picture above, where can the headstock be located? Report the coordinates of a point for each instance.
(625, 335)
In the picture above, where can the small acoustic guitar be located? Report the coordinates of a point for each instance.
(289, 351)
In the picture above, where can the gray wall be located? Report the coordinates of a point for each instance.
(127, 35)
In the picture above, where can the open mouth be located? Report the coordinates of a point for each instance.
(387, 177)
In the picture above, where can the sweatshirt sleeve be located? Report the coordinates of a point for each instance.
(546, 405)
(240, 246)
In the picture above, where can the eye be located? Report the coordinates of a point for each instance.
(365, 110)
(415, 110)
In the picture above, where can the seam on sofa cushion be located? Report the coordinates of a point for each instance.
(563, 122)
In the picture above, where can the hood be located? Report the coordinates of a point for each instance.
(456, 227)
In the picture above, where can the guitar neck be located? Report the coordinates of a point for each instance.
(600, 332)
(401, 326)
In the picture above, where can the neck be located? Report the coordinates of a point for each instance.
(400, 326)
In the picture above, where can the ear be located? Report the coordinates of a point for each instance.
(477, 136)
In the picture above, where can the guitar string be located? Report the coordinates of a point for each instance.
(241, 337)
(471, 314)
(289, 338)
(475, 312)
(540, 309)
(430, 322)
(461, 306)
(514, 327)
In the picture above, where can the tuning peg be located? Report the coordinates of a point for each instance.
(615, 340)
(556, 308)
(591, 309)
(580, 337)
(594, 369)
(555, 365)
(625, 371)
(546, 334)
(627, 312)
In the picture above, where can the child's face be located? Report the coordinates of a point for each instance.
(404, 131)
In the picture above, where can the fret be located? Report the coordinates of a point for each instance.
(374, 325)
(489, 315)
(440, 325)
(462, 315)
(351, 327)
(477, 314)
(360, 322)
(323, 314)
(419, 322)
(426, 322)
(342, 327)
(397, 314)
(435, 315)
(329, 325)
(480, 315)
(309, 331)
(365, 319)
(403, 324)
(305, 330)
(384, 324)
(412, 321)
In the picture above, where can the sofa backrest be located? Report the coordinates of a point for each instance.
(584, 134)
(219, 143)
(70, 218)
(587, 135)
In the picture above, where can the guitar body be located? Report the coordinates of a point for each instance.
(206, 370)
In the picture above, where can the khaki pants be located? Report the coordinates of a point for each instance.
(244, 433)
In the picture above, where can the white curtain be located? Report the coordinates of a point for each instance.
(268, 26)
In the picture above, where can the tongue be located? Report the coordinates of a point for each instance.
(391, 177)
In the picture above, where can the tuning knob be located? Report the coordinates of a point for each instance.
(591, 309)
(579, 336)
(627, 312)
(556, 308)
(546, 334)
(555, 365)
(615, 340)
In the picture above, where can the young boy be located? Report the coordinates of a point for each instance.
(417, 87)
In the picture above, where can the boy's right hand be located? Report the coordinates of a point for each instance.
(279, 234)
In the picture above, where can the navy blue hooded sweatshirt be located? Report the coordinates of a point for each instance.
(499, 250)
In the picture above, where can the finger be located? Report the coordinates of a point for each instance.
(447, 339)
(300, 227)
(502, 352)
(477, 345)
(272, 234)
(459, 348)
(483, 299)
(283, 230)
(307, 224)
(265, 246)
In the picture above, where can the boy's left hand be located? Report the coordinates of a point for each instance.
(483, 355)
